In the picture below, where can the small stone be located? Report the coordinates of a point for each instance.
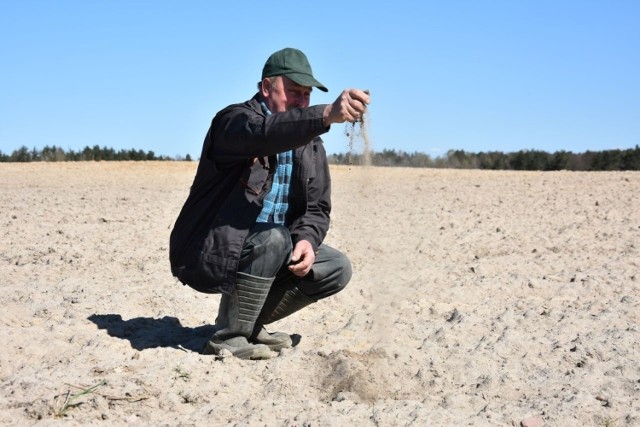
(454, 316)
(532, 422)
(342, 396)
(224, 354)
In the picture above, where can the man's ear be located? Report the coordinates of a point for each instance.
(265, 86)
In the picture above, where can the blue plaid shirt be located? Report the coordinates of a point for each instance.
(276, 202)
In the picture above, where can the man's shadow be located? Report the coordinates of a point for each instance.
(147, 332)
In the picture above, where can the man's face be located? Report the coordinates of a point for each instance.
(283, 94)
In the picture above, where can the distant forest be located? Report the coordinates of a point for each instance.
(95, 153)
(607, 160)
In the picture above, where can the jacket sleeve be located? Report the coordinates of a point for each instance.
(242, 131)
(313, 224)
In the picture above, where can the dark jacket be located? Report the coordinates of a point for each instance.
(235, 173)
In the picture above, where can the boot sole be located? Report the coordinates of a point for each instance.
(252, 352)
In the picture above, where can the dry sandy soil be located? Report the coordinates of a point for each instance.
(479, 298)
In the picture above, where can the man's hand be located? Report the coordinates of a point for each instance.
(349, 107)
(302, 258)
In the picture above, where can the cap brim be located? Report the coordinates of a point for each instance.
(306, 80)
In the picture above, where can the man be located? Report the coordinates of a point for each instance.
(258, 211)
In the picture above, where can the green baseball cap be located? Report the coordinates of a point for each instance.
(294, 64)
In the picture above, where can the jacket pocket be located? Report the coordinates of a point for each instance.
(255, 176)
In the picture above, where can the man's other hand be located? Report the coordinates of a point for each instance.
(302, 258)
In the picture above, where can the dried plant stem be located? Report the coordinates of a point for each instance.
(69, 399)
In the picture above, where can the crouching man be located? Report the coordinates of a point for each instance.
(253, 225)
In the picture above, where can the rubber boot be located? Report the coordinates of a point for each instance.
(280, 304)
(237, 317)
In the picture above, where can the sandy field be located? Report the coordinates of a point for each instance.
(478, 298)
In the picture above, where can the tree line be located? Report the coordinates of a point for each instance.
(95, 153)
(607, 160)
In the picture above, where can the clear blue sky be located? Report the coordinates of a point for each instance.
(471, 75)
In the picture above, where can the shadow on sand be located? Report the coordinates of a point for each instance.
(147, 332)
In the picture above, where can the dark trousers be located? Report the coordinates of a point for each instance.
(267, 252)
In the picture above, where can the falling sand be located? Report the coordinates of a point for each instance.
(358, 132)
